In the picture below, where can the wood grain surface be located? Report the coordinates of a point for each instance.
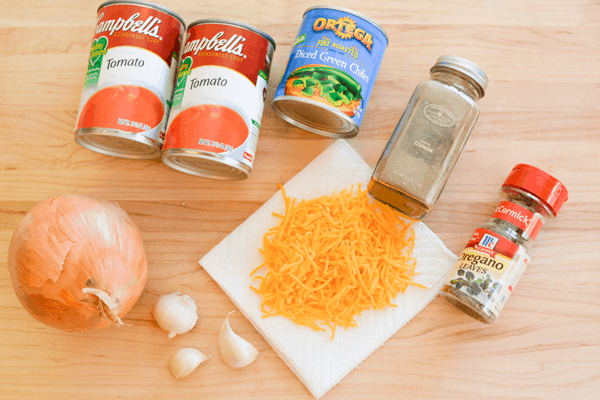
(542, 107)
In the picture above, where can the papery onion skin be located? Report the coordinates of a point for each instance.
(72, 242)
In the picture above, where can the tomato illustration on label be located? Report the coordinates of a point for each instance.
(125, 107)
(208, 127)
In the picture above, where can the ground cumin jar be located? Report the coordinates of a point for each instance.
(128, 86)
(430, 136)
(498, 253)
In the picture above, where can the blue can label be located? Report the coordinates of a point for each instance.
(334, 61)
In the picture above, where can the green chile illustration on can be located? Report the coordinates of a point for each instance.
(336, 86)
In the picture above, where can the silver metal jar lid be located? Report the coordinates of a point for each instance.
(465, 66)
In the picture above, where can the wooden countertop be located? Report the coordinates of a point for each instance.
(542, 107)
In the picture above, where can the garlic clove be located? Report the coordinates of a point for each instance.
(235, 351)
(185, 361)
(175, 313)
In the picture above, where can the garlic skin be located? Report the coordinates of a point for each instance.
(175, 313)
(235, 351)
(186, 360)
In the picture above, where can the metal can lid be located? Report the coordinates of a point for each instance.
(314, 117)
(540, 184)
(206, 164)
(465, 66)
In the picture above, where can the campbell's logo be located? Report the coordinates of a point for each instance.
(344, 28)
(149, 27)
(233, 45)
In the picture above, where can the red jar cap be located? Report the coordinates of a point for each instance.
(540, 184)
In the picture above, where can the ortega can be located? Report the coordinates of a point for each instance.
(332, 68)
(219, 100)
(130, 77)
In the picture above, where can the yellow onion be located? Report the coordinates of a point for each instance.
(77, 262)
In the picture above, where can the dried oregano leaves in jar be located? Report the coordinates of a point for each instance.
(497, 254)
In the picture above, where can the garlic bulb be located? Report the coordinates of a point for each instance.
(235, 351)
(175, 313)
(185, 361)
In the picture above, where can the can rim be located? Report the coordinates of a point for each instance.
(387, 39)
(339, 135)
(169, 157)
(145, 4)
(233, 23)
(82, 134)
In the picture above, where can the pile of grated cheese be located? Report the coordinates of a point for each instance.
(332, 258)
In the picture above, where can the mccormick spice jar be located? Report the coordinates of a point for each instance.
(498, 252)
(219, 100)
(129, 82)
(331, 72)
(422, 152)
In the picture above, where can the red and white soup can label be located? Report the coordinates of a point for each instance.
(220, 90)
(131, 69)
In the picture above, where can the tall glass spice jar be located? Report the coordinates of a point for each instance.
(498, 252)
(422, 151)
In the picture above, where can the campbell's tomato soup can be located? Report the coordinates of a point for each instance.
(331, 72)
(129, 82)
(218, 100)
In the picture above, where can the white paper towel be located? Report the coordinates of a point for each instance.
(317, 361)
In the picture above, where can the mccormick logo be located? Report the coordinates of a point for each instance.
(514, 214)
(345, 28)
(488, 241)
(148, 27)
(232, 45)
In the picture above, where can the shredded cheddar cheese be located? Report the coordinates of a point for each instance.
(331, 258)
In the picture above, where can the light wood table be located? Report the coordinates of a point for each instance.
(542, 107)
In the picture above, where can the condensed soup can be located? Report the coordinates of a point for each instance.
(331, 71)
(219, 100)
(129, 82)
